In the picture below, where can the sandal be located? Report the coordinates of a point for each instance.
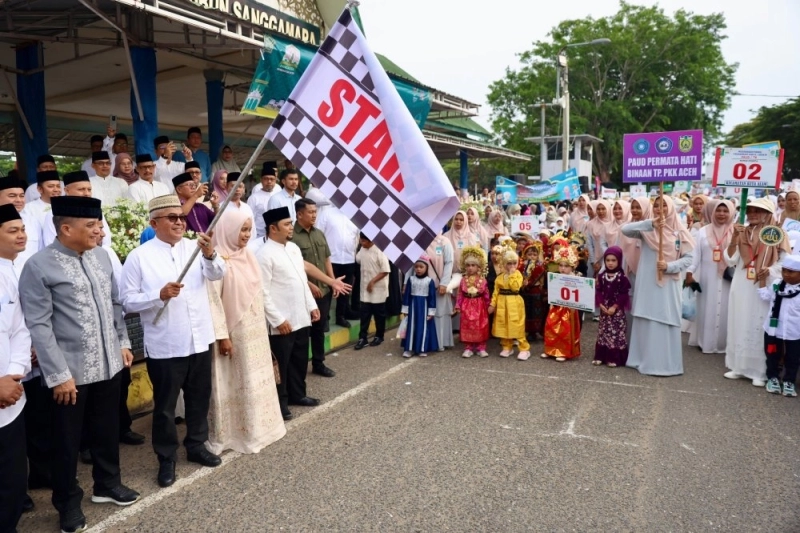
(612, 365)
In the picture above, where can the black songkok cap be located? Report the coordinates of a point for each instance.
(270, 168)
(100, 156)
(276, 215)
(76, 207)
(190, 165)
(96, 139)
(46, 158)
(74, 177)
(12, 183)
(143, 158)
(161, 139)
(233, 176)
(8, 213)
(181, 178)
(46, 175)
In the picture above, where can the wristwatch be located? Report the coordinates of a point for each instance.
(213, 256)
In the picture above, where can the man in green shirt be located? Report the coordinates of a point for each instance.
(314, 246)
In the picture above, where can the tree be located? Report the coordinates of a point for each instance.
(780, 122)
(659, 73)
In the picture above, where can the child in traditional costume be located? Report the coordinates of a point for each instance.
(473, 302)
(534, 293)
(419, 305)
(562, 330)
(509, 322)
(612, 296)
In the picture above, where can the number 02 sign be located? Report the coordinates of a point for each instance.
(570, 291)
(748, 167)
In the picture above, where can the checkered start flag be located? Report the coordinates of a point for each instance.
(347, 129)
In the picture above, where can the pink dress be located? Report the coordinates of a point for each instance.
(474, 311)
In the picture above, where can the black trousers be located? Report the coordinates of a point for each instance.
(13, 473)
(777, 349)
(97, 409)
(317, 332)
(192, 374)
(292, 353)
(39, 432)
(343, 300)
(368, 311)
(125, 420)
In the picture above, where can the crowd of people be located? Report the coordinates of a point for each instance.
(227, 345)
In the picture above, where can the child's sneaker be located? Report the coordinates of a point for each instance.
(523, 356)
(406, 354)
(788, 389)
(506, 352)
(543, 356)
(467, 354)
(774, 386)
(561, 359)
(423, 354)
(483, 353)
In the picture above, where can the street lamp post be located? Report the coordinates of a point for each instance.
(563, 84)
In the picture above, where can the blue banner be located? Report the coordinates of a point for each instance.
(564, 186)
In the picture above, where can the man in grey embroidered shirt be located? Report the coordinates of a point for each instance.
(69, 298)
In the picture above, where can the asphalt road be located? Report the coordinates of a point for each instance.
(452, 444)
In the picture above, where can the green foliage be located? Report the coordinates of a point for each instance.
(63, 164)
(659, 73)
(776, 123)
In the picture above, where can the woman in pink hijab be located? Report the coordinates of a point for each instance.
(218, 183)
(124, 168)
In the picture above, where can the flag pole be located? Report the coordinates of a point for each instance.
(661, 229)
(221, 209)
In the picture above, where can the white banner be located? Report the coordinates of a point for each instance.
(347, 129)
(638, 191)
(576, 292)
(525, 224)
(754, 168)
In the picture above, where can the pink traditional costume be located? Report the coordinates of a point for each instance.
(473, 303)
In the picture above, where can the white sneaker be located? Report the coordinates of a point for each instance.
(467, 353)
(523, 356)
(759, 383)
(506, 353)
(483, 353)
(732, 375)
(406, 354)
(423, 354)
(543, 356)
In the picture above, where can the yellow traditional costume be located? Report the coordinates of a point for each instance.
(509, 319)
(562, 330)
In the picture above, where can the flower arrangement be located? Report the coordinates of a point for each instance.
(126, 221)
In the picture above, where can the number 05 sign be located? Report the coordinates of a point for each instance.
(748, 167)
(570, 291)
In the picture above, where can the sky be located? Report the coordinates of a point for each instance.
(462, 46)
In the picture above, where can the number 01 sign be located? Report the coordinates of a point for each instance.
(748, 167)
(570, 291)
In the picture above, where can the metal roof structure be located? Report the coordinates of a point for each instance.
(87, 69)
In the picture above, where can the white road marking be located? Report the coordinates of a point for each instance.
(182, 483)
(686, 446)
(570, 432)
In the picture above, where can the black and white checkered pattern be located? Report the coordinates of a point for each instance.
(362, 195)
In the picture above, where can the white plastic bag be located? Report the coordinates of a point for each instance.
(401, 329)
(688, 304)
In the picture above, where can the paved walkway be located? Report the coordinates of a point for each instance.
(447, 444)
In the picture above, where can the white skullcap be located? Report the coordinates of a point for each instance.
(791, 262)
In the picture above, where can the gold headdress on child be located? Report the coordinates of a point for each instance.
(537, 245)
(566, 255)
(474, 254)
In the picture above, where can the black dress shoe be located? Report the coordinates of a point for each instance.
(27, 504)
(305, 401)
(343, 323)
(287, 416)
(132, 438)
(360, 344)
(166, 473)
(323, 371)
(86, 457)
(204, 457)
(376, 341)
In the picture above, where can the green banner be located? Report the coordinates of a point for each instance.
(282, 65)
(280, 68)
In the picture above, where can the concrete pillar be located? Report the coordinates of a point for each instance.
(145, 129)
(30, 93)
(215, 94)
